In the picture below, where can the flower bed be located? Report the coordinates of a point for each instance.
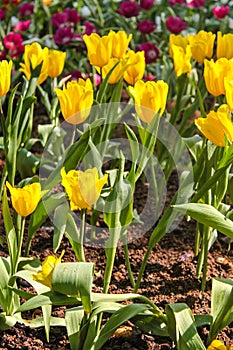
(116, 177)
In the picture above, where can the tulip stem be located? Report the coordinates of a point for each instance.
(82, 235)
(20, 234)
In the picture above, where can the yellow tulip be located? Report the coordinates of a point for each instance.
(34, 55)
(99, 49)
(56, 61)
(215, 73)
(76, 100)
(137, 66)
(83, 187)
(177, 40)
(26, 199)
(216, 345)
(182, 59)
(5, 77)
(202, 45)
(120, 42)
(228, 84)
(48, 265)
(150, 98)
(117, 72)
(217, 126)
(224, 45)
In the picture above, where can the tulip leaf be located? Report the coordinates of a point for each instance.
(182, 327)
(221, 305)
(74, 279)
(10, 231)
(74, 319)
(43, 210)
(59, 221)
(207, 215)
(117, 319)
(27, 163)
(47, 298)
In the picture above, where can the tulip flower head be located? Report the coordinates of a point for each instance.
(25, 200)
(117, 73)
(76, 99)
(99, 49)
(224, 45)
(147, 4)
(146, 27)
(214, 74)
(217, 345)
(34, 55)
(56, 61)
(129, 9)
(175, 24)
(150, 98)
(217, 126)
(136, 68)
(181, 58)
(151, 51)
(228, 84)
(221, 11)
(45, 275)
(5, 77)
(83, 187)
(177, 40)
(202, 45)
(120, 42)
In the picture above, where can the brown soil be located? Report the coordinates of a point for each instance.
(169, 277)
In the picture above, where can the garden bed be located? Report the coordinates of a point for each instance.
(170, 277)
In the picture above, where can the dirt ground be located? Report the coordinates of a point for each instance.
(170, 277)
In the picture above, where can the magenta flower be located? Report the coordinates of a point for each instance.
(73, 16)
(175, 25)
(146, 27)
(2, 55)
(22, 26)
(129, 9)
(221, 11)
(2, 14)
(175, 2)
(150, 77)
(26, 10)
(63, 35)
(75, 75)
(151, 51)
(59, 19)
(17, 51)
(146, 4)
(14, 43)
(12, 40)
(89, 28)
(197, 3)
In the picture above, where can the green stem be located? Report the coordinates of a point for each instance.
(127, 261)
(142, 269)
(206, 239)
(82, 235)
(20, 234)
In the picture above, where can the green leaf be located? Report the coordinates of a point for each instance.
(10, 232)
(74, 279)
(151, 324)
(59, 221)
(207, 215)
(182, 327)
(73, 319)
(43, 210)
(117, 319)
(221, 306)
(27, 163)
